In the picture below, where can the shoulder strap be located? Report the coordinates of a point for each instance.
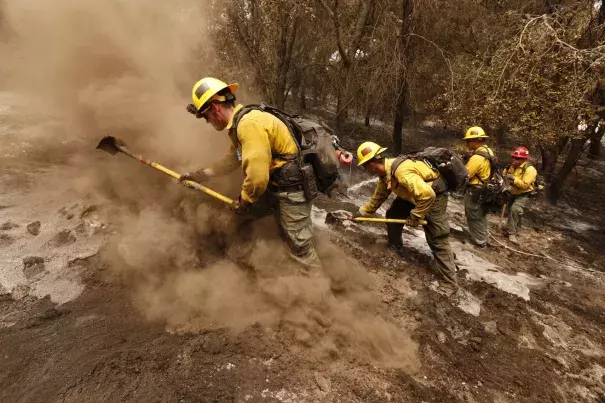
(485, 154)
(527, 165)
(398, 161)
(286, 119)
(492, 164)
(240, 114)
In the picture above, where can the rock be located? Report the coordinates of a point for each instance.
(387, 299)
(7, 226)
(63, 238)
(323, 383)
(69, 216)
(3, 290)
(417, 316)
(32, 260)
(34, 228)
(21, 291)
(6, 240)
(441, 337)
(491, 327)
(51, 313)
(32, 266)
(475, 343)
(87, 211)
(505, 331)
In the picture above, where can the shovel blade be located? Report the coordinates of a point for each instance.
(331, 218)
(109, 144)
(337, 217)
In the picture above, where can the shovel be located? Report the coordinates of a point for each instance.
(502, 217)
(113, 145)
(333, 217)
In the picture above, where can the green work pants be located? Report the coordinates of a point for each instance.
(293, 215)
(475, 217)
(515, 213)
(437, 232)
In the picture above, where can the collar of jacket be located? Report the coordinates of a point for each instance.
(388, 163)
(237, 108)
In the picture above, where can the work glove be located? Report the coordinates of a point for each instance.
(240, 206)
(413, 221)
(198, 176)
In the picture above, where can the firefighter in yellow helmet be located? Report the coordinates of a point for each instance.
(479, 171)
(420, 196)
(265, 149)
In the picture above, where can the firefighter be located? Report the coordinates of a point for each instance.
(521, 176)
(479, 167)
(266, 150)
(420, 196)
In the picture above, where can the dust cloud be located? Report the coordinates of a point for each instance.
(74, 71)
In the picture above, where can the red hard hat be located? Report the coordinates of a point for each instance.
(521, 152)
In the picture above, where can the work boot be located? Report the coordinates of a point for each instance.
(398, 249)
(479, 245)
(513, 239)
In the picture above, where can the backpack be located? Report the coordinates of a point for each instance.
(450, 166)
(495, 185)
(314, 140)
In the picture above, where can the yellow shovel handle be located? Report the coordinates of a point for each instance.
(175, 175)
(191, 184)
(385, 220)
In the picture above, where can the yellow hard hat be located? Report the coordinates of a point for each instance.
(367, 151)
(475, 132)
(207, 89)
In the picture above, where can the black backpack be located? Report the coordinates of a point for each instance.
(450, 166)
(315, 142)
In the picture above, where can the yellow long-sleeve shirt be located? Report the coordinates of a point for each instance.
(259, 137)
(525, 178)
(412, 181)
(478, 167)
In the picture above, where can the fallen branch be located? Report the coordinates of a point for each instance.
(521, 252)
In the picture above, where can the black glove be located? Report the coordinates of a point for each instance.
(240, 206)
(198, 176)
(413, 221)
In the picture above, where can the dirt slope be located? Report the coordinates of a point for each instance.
(523, 330)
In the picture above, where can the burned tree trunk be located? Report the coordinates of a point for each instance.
(594, 151)
(401, 106)
(553, 190)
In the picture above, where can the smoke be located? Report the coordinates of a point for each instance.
(74, 71)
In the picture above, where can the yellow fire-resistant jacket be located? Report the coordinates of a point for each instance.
(260, 136)
(412, 182)
(525, 178)
(478, 167)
